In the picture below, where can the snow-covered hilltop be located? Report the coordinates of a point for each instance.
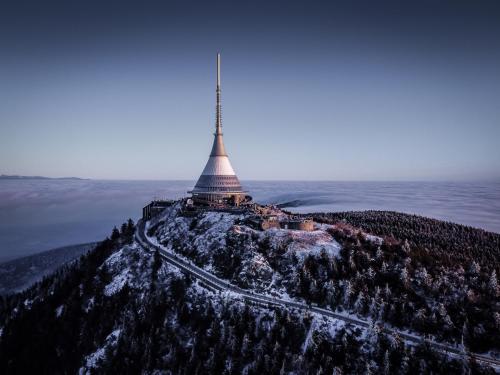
(124, 308)
(229, 245)
(382, 279)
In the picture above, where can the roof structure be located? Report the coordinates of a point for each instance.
(218, 176)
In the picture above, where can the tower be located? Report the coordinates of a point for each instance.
(218, 183)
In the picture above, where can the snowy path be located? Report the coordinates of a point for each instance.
(222, 285)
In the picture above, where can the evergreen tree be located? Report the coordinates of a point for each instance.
(115, 234)
(493, 283)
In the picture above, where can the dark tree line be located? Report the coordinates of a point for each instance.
(447, 243)
(434, 277)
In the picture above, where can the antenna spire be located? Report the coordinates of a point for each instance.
(218, 146)
(218, 119)
(218, 70)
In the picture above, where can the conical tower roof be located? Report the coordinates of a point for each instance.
(218, 176)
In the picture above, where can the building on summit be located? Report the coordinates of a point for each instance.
(218, 189)
(218, 184)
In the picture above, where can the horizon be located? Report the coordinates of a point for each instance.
(193, 180)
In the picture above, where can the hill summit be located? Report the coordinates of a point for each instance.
(214, 291)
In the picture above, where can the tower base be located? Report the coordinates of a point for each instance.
(220, 199)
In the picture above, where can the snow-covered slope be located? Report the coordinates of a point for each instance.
(382, 279)
(226, 244)
(122, 309)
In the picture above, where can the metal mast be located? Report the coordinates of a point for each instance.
(218, 146)
(218, 119)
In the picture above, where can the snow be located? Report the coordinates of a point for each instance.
(374, 239)
(322, 226)
(123, 275)
(209, 230)
(129, 266)
(117, 284)
(115, 258)
(199, 237)
(196, 287)
(92, 359)
(368, 237)
(59, 311)
(280, 292)
(303, 243)
(307, 341)
(90, 304)
(333, 325)
(323, 324)
(217, 225)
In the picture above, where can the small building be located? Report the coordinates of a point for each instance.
(265, 222)
(270, 222)
(299, 224)
(154, 208)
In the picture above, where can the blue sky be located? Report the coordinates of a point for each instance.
(311, 91)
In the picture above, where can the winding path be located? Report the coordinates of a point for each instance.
(222, 285)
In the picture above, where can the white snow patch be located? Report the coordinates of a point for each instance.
(128, 265)
(59, 311)
(307, 341)
(117, 283)
(92, 359)
(115, 258)
(374, 239)
(90, 304)
(302, 243)
(323, 226)
(219, 223)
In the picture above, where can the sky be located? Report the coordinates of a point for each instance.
(352, 90)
